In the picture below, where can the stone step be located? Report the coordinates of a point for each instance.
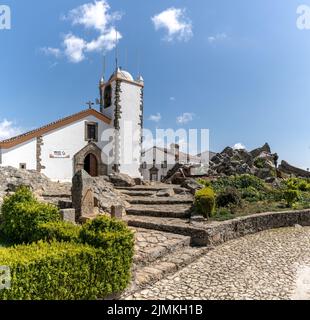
(145, 188)
(160, 200)
(55, 195)
(168, 210)
(138, 193)
(151, 245)
(161, 268)
(198, 234)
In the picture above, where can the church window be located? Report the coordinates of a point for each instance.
(108, 96)
(91, 131)
(22, 166)
(144, 165)
(164, 165)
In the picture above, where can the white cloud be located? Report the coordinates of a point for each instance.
(8, 130)
(155, 117)
(185, 118)
(239, 146)
(172, 99)
(216, 38)
(175, 22)
(104, 42)
(51, 51)
(74, 48)
(94, 15)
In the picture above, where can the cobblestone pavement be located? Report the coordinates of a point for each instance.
(273, 264)
(150, 244)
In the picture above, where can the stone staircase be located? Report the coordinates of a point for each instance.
(157, 255)
(163, 201)
(160, 217)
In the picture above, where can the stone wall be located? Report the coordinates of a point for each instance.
(224, 231)
(216, 233)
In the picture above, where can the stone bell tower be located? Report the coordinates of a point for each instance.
(121, 99)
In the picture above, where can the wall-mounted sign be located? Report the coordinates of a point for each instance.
(59, 155)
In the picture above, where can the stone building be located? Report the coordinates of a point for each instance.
(157, 161)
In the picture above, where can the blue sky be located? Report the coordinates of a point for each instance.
(238, 68)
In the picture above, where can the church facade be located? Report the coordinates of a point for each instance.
(100, 141)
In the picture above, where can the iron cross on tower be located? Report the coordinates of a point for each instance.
(90, 104)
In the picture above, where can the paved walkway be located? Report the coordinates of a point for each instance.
(272, 264)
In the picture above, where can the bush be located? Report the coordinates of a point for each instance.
(230, 196)
(64, 271)
(260, 163)
(22, 214)
(204, 182)
(205, 202)
(104, 232)
(239, 182)
(58, 231)
(291, 196)
(297, 184)
(247, 180)
(251, 194)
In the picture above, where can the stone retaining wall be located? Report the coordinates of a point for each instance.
(239, 227)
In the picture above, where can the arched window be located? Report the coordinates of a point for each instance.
(108, 96)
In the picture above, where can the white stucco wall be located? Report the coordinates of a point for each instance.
(70, 139)
(23, 153)
(159, 156)
(130, 146)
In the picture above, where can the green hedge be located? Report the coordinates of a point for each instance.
(65, 271)
(58, 231)
(68, 261)
(22, 214)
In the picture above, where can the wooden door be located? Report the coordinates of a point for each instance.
(93, 166)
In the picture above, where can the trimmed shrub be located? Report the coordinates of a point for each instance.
(59, 231)
(22, 215)
(228, 197)
(291, 196)
(205, 202)
(64, 271)
(104, 232)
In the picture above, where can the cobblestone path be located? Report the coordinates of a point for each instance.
(273, 264)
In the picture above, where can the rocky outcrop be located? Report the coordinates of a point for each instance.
(122, 180)
(259, 162)
(265, 148)
(291, 170)
(11, 179)
(107, 196)
(54, 192)
(191, 184)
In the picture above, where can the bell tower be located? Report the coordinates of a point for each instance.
(121, 99)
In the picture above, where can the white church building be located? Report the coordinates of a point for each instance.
(98, 141)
